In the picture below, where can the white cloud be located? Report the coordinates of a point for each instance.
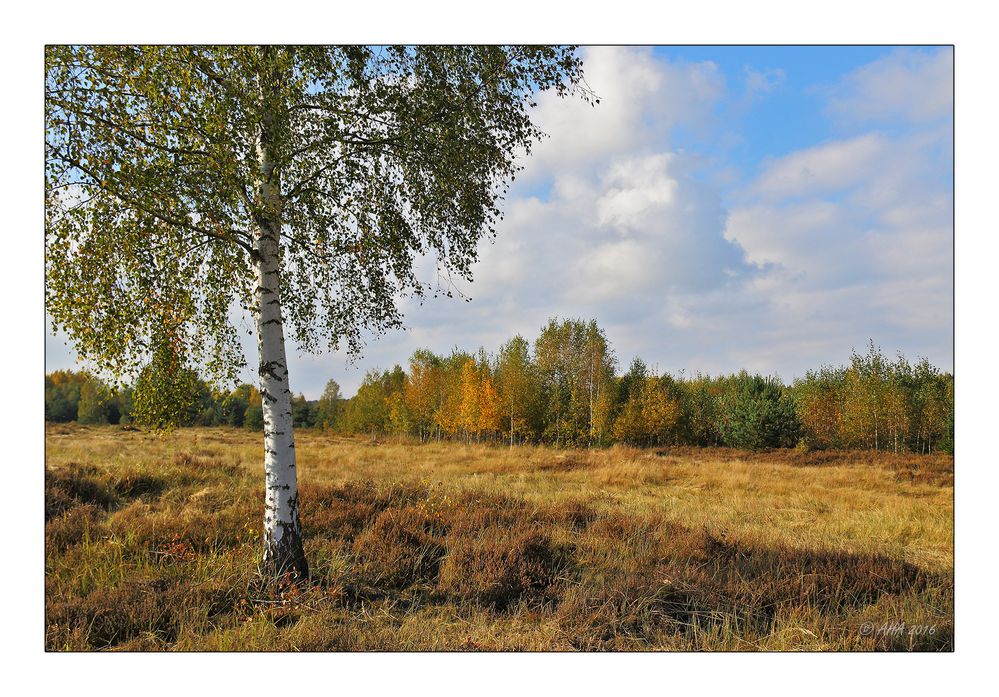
(641, 98)
(764, 81)
(634, 188)
(908, 85)
(856, 234)
(822, 169)
(636, 232)
(798, 238)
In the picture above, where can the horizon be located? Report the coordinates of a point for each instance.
(621, 367)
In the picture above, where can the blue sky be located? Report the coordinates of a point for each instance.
(767, 208)
(776, 96)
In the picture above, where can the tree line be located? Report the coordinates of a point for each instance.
(565, 390)
(87, 399)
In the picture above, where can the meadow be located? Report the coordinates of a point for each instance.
(152, 543)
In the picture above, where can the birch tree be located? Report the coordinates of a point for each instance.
(517, 382)
(295, 183)
(576, 364)
(424, 390)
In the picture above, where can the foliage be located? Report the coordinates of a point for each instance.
(575, 366)
(302, 414)
(167, 392)
(370, 410)
(424, 391)
(62, 395)
(378, 154)
(650, 407)
(254, 418)
(97, 403)
(517, 383)
(330, 406)
(520, 396)
(820, 396)
(878, 404)
(759, 414)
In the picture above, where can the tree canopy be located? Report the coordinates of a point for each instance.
(380, 155)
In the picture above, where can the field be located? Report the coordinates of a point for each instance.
(152, 544)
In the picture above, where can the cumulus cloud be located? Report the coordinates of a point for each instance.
(641, 229)
(641, 97)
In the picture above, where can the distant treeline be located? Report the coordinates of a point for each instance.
(564, 390)
(85, 398)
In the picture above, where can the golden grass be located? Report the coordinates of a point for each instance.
(151, 543)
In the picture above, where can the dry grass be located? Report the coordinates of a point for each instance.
(151, 543)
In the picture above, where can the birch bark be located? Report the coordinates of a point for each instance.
(283, 552)
(282, 530)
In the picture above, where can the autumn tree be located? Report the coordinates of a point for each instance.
(450, 415)
(516, 380)
(424, 391)
(301, 412)
(575, 364)
(661, 409)
(234, 405)
(553, 369)
(945, 441)
(864, 403)
(626, 412)
(897, 407)
(489, 407)
(933, 408)
(819, 397)
(597, 368)
(253, 418)
(97, 403)
(471, 383)
(370, 410)
(700, 410)
(650, 407)
(299, 182)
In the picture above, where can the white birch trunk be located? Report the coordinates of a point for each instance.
(282, 531)
(283, 551)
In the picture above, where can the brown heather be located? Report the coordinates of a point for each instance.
(152, 544)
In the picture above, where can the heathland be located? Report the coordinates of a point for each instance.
(152, 542)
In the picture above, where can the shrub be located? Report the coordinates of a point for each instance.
(397, 551)
(72, 527)
(499, 566)
(75, 485)
(623, 609)
(108, 617)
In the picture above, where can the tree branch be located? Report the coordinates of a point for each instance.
(148, 210)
